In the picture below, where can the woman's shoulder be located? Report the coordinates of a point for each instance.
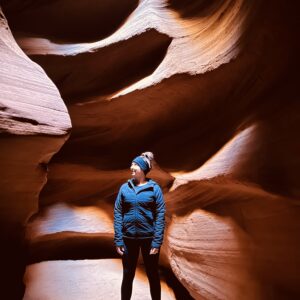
(154, 183)
(124, 185)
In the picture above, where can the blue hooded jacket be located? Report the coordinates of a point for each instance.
(139, 213)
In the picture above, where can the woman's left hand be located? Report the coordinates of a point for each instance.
(154, 251)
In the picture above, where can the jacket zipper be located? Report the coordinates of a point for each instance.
(135, 221)
(135, 206)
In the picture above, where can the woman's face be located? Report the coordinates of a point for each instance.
(136, 171)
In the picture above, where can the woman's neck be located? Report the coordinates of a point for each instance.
(141, 181)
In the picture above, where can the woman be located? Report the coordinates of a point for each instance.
(139, 222)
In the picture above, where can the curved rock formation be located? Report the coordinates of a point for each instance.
(211, 87)
(34, 124)
(238, 240)
(22, 83)
(85, 71)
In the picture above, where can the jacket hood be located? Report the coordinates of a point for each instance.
(150, 182)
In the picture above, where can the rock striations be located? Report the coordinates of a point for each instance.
(211, 87)
(34, 124)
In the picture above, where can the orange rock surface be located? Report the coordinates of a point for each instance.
(211, 87)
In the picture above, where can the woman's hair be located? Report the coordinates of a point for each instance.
(148, 157)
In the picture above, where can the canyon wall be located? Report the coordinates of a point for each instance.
(211, 87)
(34, 124)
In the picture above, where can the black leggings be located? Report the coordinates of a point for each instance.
(129, 260)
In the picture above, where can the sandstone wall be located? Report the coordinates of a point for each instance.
(211, 87)
(34, 124)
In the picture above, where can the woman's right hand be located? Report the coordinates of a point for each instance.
(120, 250)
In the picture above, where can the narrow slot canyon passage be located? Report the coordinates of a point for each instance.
(210, 87)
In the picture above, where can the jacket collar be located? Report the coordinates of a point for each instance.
(145, 186)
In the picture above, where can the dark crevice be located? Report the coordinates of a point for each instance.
(26, 120)
(2, 15)
(70, 245)
(44, 166)
(106, 70)
(68, 20)
(179, 290)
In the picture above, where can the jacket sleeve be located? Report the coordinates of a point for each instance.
(160, 218)
(118, 220)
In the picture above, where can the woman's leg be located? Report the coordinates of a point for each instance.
(129, 260)
(151, 265)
